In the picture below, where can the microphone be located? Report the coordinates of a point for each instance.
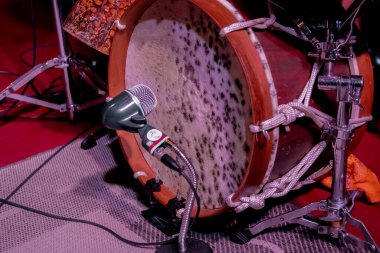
(127, 110)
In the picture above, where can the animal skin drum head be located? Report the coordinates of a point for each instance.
(204, 103)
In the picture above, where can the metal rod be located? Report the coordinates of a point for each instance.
(338, 195)
(64, 54)
(190, 200)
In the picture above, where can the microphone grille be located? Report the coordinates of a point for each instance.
(145, 95)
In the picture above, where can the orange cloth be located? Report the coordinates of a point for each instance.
(359, 177)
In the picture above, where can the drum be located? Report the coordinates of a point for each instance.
(210, 90)
(93, 21)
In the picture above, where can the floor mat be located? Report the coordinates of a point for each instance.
(94, 185)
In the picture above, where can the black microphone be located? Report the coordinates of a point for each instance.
(127, 110)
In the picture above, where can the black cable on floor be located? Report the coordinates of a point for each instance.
(45, 162)
(116, 235)
(49, 215)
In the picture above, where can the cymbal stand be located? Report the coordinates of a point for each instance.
(338, 207)
(63, 61)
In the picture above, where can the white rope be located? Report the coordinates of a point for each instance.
(280, 186)
(261, 23)
(291, 180)
(119, 26)
(179, 212)
(138, 174)
(355, 123)
(288, 113)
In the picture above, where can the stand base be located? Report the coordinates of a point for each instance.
(193, 246)
(331, 224)
(90, 140)
(162, 220)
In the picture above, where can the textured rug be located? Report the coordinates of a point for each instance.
(95, 185)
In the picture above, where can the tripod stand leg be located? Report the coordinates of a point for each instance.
(64, 54)
(369, 244)
(89, 75)
(62, 61)
(28, 76)
(296, 216)
(85, 75)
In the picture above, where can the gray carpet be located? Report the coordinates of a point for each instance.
(92, 185)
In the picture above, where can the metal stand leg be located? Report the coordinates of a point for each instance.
(63, 61)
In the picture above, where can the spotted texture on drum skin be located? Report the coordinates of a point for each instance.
(203, 100)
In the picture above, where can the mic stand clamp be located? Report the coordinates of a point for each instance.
(337, 213)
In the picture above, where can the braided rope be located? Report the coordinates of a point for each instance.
(291, 180)
(288, 113)
(261, 23)
(280, 186)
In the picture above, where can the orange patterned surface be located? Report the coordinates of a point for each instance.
(359, 177)
(93, 21)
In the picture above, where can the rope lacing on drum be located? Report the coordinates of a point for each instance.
(262, 23)
(281, 186)
(288, 113)
(259, 23)
(119, 26)
(291, 180)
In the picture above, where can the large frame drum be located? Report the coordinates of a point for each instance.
(210, 90)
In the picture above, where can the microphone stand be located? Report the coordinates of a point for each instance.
(348, 90)
(127, 112)
(184, 244)
(154, 141)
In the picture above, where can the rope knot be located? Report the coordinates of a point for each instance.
(256, 202)
(289, 113)
(230, 202)
(270, 21)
